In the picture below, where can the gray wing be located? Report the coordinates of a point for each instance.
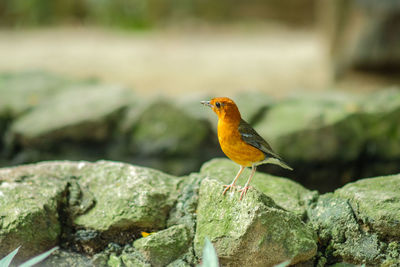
(251, 137)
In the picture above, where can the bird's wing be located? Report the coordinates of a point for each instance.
(251, 137)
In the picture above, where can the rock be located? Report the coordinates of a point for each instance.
(184, 211)
(23, 91)
(286, 193)
(82, 112)
(381, 121)
(251, 232)
(63, 258)
(163, 247)
(134, 260)
(94, 203)
(30, 199)
(339, 232)
(166, 130)
(376, 203)
(127, 197)
(357, 222)
(253, 105)
(314, 128)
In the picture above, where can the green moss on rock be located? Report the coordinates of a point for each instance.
(127, 197)
(357, 222)
(376, 202)
(251, 232)
(30, 199)
(165, 246)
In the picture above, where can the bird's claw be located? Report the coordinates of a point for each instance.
(228, 187)
(244, 191)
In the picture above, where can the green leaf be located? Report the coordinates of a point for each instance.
(38, 258)
(5, 262)
(283, 264)
(210, 258)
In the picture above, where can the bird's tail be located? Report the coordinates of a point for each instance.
(279, 162)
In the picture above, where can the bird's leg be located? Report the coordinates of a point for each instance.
(234, 180)
(246, 187)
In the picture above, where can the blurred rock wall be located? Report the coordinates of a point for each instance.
(362, 35)
(328, 138)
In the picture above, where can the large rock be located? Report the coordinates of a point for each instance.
(334, 126)
(359, 223)
(127, 197)
(22, 91)
(164, 129)
(376, 203)
(299, 128)
(251, 232)
(30, 199)
(94, 203)
(77, 113)
(286, 193)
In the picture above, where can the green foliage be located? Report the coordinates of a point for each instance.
(210, 258)
(139, 14)
(6, 261)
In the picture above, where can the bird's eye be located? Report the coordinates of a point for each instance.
(218, 105)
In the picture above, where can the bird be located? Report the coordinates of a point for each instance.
(240, 142)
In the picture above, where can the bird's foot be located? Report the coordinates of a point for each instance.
(228, 187)
(244, 191)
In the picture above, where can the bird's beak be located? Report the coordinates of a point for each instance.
(206, 103)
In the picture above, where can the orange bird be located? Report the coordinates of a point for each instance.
(240, 142)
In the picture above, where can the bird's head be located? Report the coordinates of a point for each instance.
(224, 107)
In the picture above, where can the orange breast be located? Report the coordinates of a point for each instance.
(235, 148)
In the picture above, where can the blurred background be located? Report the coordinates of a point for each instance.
(122, 80)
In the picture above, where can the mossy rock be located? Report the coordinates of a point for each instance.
(30, 199)
(359, 223)
(314, 128)
(23, 91)
(77, 113)
(251, 232)
(127, 197)
(334, 126)
(376, 202)
(166, 130)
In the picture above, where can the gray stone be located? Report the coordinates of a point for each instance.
(376, 203)
(62, 258)
(357, 222)
(127, 197)
(30, 199)
(314, 128)
(164, 129)
(81, 112)
(251, 232)
(22, 91)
